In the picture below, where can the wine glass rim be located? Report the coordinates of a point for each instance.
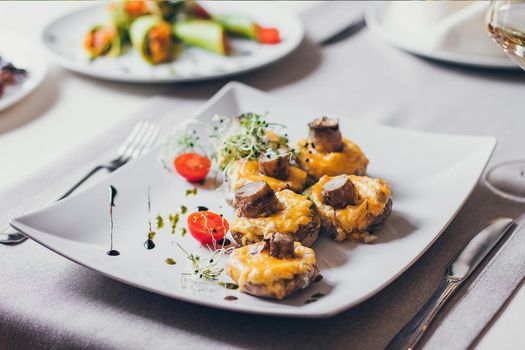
(496, 190)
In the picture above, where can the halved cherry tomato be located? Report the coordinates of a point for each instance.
(200, 12)
(207, 227)
(192, 166)
(267, 35)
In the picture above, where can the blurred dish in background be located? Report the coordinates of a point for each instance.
(21, 68)
(10, 75)
(325, 19)
(451, 31)
(163, 41)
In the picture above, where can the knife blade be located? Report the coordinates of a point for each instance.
(456, 273)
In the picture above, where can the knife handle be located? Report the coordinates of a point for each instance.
(410, 335)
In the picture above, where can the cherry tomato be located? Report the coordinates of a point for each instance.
(206, 226)
(200, 12)
(192, 166)
(267, 35)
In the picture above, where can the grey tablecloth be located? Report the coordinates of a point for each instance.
(47, 301)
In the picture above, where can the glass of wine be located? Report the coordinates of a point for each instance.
(506, 26)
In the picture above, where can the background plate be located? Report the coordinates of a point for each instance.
(431, 176)
(374, 17)
(63, 40)
(23, 54)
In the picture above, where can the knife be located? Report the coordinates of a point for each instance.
(457, 271)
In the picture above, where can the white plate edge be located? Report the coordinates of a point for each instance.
(372, 14)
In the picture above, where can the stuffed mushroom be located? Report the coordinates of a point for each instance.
(273, 268)
(326, 152)
(351, 206)
(261, 211)
(275, 170)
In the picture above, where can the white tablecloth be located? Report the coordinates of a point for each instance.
(360, 77)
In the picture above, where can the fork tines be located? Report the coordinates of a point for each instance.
(141, 138)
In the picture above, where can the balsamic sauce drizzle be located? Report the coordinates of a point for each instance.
(202, 208)
(149, 244)
(112, 194)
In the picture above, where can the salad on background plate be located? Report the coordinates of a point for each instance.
(171, 41)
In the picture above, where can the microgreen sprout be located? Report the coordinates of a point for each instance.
(245, 137)
(207, 269)
(186, 141)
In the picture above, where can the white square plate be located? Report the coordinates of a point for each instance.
(431, 176)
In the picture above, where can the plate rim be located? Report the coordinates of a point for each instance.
(372, 19)
(10, 101)
(488, 141)
(72, 66)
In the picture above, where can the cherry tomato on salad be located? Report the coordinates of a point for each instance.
(207, 227)
(200, 12)
(192, 166)
(267, 35)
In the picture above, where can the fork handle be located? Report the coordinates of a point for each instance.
(410, 335)
(81, 181)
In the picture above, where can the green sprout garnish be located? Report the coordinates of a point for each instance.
(192, 191)
(180, 142)
(245, 137)
(206, 269)
(189, 143)
(160, 222)
(174, 220)
(170, 261)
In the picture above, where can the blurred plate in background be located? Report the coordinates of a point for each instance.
(410, 26)
(63, 39)
(23, 54)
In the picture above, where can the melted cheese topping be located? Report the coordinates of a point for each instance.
(242, 172)
(371, 198)
(351, 160)
(267, 271)
(296, 210)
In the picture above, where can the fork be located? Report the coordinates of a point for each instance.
(142, 137)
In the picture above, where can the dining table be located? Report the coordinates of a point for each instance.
(59, 130)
